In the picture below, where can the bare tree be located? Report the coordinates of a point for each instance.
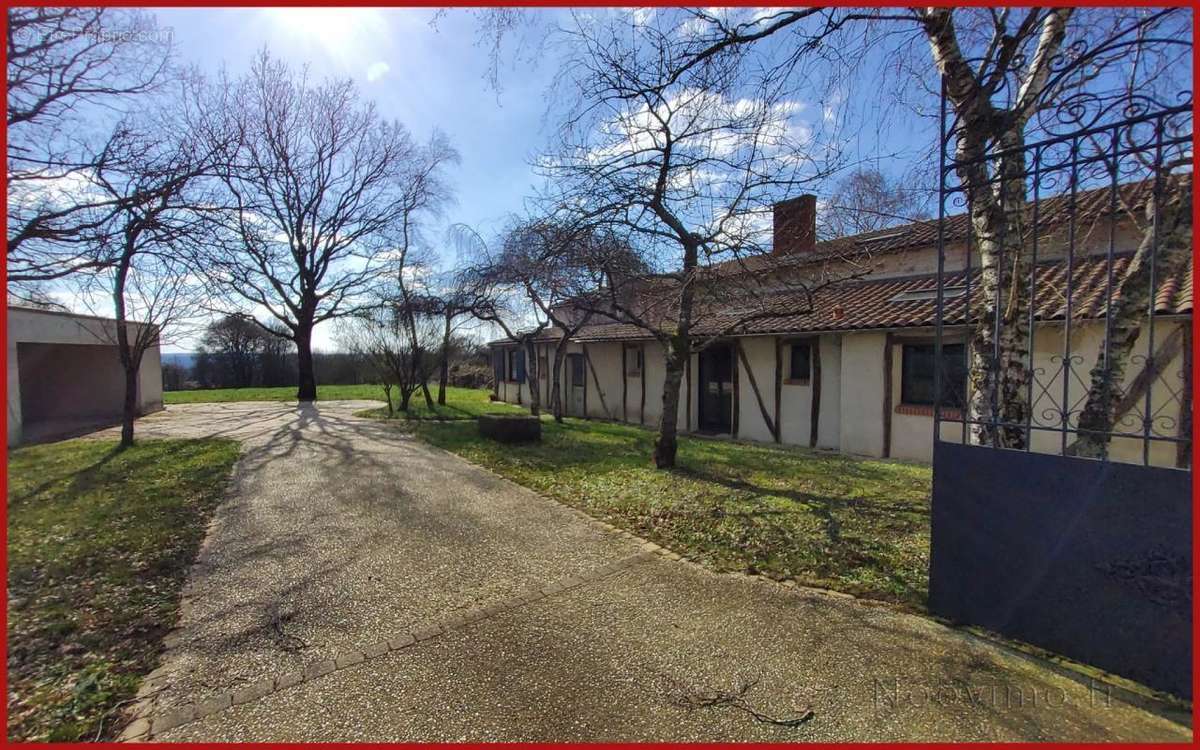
(147, 270)
(318, 184)
(493, 292)
(999, 72)
(866, 200)
(1007, 74)
(1165, 248)
(559, 268)
(238, 344)
(71, 73)
(683, 158)
(382, 335)
(449, 301)
(425, 195)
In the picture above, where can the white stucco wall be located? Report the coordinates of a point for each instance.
(829, 428)
(606, 362)
(861, 394)
(852, 393)
(760, 355)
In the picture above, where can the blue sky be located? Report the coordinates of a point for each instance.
(425, 69)
(426, 75)
(423, 75)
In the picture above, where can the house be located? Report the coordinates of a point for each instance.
(851, 367)
(65, 374)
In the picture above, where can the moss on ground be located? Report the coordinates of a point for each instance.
(850, 524)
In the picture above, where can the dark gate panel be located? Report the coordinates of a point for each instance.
(1090, 559)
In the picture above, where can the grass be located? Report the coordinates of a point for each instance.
(99, 545)
(461, 403)
(288, 393)
(853, 525)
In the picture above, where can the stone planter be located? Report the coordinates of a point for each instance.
(510, 428)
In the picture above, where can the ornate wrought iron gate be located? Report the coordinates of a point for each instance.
(1061, 501)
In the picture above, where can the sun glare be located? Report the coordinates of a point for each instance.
(336, 29)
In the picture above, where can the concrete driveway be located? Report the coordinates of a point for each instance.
(359, 585)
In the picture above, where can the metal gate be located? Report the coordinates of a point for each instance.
(1061, 497)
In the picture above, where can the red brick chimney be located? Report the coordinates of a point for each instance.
(795, 223)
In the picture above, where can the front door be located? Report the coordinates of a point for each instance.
(716, 388)
(575, 385)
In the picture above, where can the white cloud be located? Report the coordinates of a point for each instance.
(377, 70)
(642, 16)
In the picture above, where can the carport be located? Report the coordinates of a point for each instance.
(65, 376)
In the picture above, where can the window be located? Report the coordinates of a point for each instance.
(516, 365)
(633, 361)
(914, 295)
(799, 362)
(917, 375)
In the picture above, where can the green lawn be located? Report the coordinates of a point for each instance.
(99, 545)
(324, 392)
(461, 403)
(854, 525)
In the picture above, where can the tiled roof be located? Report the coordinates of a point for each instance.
(873, 303)
(1051, 212)
(881, 303)
(594, 332)
(909, 301)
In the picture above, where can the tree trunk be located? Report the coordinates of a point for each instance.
(444, 371)
(306, 378)
(130, 355)
(307, 390)
(1129, 305)
(425, 390)
(666, 445)
(129, 408)
(531, 377)
(556, 401)
(999, 374)
(1000, 342)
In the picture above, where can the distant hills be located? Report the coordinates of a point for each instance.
(181, 359)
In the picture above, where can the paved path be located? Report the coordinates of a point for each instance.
(342, 534)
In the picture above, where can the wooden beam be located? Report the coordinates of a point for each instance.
(778, 388)
(595, 379)
(735, 407)
(624, 384)
(687, 371)
(762, 407)
(887, 396)
(815, 409)
(642, 372)
(585, 389)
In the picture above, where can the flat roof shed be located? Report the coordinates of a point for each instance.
(65, 375)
